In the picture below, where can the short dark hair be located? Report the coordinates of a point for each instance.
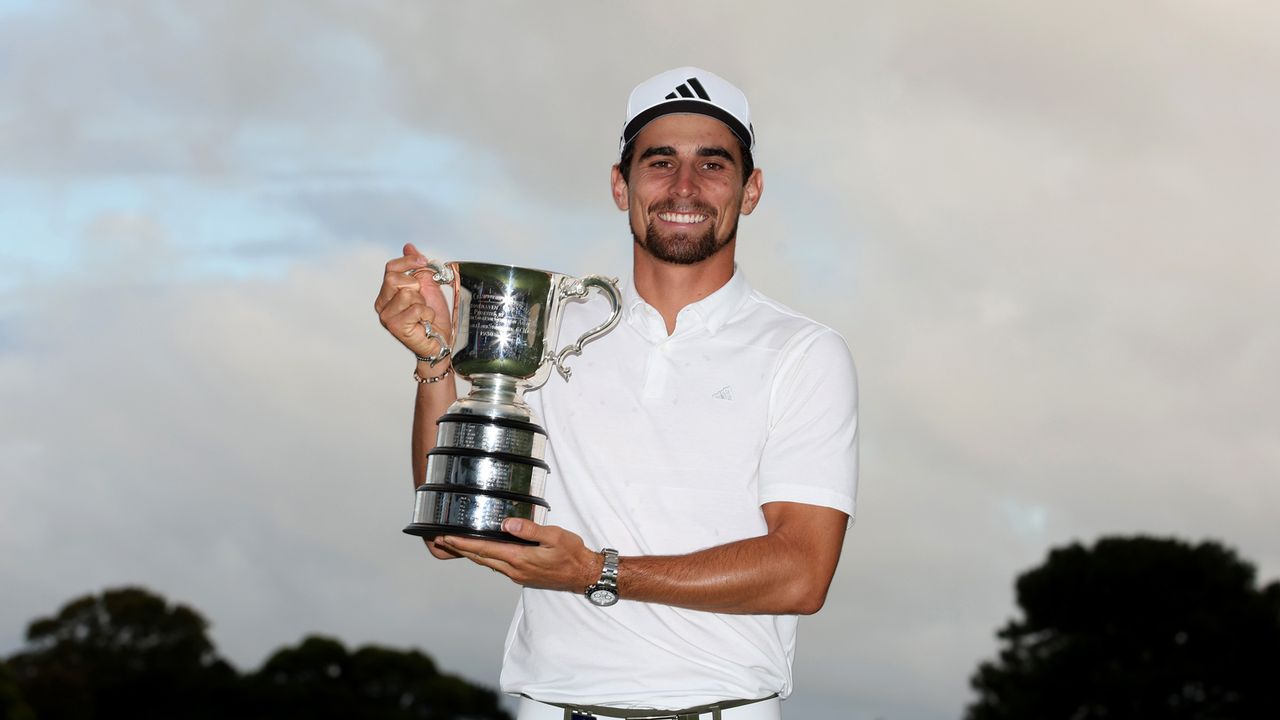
(629, 152)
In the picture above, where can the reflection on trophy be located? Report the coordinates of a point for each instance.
(488, 464)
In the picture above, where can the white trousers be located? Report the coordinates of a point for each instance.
(770, 709)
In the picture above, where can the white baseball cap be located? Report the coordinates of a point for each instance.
(688, 90)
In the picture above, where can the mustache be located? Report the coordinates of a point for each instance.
(684, 207)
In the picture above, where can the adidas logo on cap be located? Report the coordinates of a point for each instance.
(689, 89)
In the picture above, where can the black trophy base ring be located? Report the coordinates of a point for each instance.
(428, 530)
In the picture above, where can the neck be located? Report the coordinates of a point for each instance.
(669, 287)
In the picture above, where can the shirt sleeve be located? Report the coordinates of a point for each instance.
(811, 453)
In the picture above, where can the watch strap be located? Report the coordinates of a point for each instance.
(604, 592)
(609, 573)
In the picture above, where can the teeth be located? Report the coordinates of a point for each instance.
(688, 218)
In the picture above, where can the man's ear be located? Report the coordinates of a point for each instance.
(752, 191)
(619, 188)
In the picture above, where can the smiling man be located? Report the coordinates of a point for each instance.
(707, 446)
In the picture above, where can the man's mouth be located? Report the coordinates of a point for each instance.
(682, 218)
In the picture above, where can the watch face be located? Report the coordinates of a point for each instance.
(602, 597)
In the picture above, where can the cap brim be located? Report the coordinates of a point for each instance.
(682, 105)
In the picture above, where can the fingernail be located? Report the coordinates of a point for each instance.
(513, 525)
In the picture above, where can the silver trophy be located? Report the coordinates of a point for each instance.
(488, 464)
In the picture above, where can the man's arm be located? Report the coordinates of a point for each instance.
(404, 302)
(786, 571)
(432, 400)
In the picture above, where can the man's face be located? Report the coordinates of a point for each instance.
(685, 191)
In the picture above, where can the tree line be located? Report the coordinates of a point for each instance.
(129, 653)
(1129, 628)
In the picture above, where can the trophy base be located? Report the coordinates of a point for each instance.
(428, 530)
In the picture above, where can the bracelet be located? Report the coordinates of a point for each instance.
(428, 380)
(434, 359)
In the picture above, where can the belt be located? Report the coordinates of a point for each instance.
(593, 712)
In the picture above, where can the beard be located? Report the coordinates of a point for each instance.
(683, 248)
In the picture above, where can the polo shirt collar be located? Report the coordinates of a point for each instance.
(711, 312)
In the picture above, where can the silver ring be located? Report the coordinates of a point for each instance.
(441, 354)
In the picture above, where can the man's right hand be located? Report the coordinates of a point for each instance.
(406, 301)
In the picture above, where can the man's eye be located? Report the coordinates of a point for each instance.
(712, 166)
(661, 163)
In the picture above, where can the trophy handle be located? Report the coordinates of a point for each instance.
(443, 275)
(577, 288)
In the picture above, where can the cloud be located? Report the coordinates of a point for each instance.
(1046, 233)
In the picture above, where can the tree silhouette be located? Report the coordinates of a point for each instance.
(320, 679)
(1136, 628)
(125, 653)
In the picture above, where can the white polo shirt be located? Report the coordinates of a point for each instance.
(663, 445)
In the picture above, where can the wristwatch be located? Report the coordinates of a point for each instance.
(605, 592)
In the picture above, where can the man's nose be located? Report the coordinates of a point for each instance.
(685, 182)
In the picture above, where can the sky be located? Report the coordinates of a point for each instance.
(1047, 232)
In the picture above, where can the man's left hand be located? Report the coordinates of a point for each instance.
(560, 560)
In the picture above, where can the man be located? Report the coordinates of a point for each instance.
(710, 439)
